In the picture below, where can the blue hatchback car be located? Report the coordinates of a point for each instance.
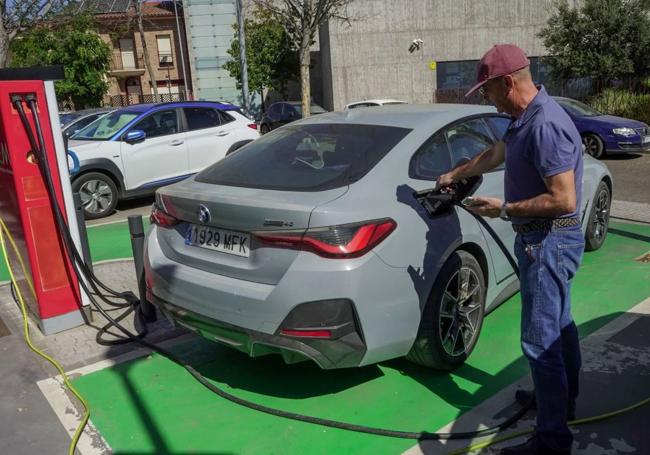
(606, 133)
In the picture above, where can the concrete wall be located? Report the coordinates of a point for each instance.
(370, 58)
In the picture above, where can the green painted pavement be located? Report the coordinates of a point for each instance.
(152, 406)
(108, 241)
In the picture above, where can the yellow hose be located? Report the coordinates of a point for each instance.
(4, 231)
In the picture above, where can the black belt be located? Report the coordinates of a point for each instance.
(545, 225)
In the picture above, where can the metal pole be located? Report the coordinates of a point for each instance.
(137, 244)
(180, 44)
(242, 56)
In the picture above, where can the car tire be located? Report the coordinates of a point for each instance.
(98, 194)
(264, 129)
(593, 145)
(453, 315)
(598, 218)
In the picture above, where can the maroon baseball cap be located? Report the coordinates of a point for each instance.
(502, 59)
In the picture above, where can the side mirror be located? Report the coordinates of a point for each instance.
(134, 136)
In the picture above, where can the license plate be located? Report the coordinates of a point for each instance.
(230, 242)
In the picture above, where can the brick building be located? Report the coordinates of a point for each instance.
(129, 82)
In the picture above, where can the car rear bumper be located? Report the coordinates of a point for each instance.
(345, 349)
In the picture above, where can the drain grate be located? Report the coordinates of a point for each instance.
(4, 331)
(645, 258)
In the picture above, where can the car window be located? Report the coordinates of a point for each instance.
(499, 125)
(432, 159)
(199, 118)
(225, 117)
(105, 127)
(314, 157)
(468, 139)
(74, 127)
(159, 123)
(390, 103)
(275, 110)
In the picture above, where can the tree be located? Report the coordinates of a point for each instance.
(272, 63)
(604, 39)
(138, 14)
(301, 20)
(75, 45)
(19, 15)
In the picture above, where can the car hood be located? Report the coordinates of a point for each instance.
(615, 122)
(84, 146)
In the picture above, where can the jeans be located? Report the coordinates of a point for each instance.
(549, 337)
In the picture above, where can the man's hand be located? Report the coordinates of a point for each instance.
(445, 180)
(486, 206)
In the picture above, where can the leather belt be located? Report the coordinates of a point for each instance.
(545, 225)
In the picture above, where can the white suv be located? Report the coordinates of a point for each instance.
(136, 149)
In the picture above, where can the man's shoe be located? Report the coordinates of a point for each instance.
(533, 447)
(523, 397)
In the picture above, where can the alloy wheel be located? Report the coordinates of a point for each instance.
(96, 196)
(460, 312)
(601, 214)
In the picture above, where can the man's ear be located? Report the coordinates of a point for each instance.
(509, 81)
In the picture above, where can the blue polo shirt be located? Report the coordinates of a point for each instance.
(542, 142)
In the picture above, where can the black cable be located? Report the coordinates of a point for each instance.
(77, 263)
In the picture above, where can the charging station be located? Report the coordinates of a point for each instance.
(43, 271)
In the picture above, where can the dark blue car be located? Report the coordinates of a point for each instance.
(606, 133)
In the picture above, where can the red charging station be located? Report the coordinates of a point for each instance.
(44, 275)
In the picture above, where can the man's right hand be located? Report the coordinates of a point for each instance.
(445, 180)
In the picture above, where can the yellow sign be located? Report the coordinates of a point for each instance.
(432, 65)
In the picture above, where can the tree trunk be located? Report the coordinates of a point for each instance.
(145, 51)
(305, 89)
(4, 45)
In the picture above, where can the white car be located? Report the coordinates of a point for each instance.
(134, 150)
(371, 103)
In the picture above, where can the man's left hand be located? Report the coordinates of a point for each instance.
(489, 206)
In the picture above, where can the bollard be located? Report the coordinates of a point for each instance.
(136, 229)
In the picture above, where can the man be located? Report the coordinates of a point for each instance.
(543, 154)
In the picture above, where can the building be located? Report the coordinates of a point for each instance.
(164, 31)
(423, 51)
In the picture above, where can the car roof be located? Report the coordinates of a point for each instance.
(404, 115)
(146, 107)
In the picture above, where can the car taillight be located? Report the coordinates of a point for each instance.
(302, 333)
(342, 241)
(252, 125)
(161, 218)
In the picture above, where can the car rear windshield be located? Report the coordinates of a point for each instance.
(104, 128)
(314, 157)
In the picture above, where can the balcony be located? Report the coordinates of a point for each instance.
(125, 64)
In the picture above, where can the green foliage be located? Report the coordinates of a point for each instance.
(624, 103)
(271, 61)
(604, 39)
(75, 45)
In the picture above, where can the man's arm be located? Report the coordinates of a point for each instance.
(480, 164)
(559, 199)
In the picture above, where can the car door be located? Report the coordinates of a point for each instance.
(208, 137)
(467, 139)
(161, 157)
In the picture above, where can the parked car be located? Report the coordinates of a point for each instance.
(372, 103)
(606, 133)
(310, 242)
(74, 121)
(284, 112)
(134, 150)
